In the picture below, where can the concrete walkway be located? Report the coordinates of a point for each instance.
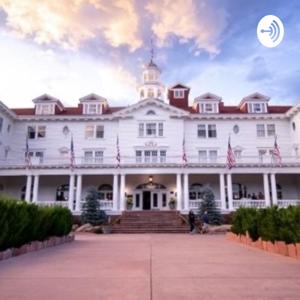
(150, 267)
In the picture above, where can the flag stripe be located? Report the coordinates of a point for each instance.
(184, 157)
(118, 157)
(72, 155)
(230, 156)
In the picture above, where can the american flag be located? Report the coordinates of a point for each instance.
(276, 153)
(184, 157)
(118, 157)
(27, 154)
(72, 155)
(230, 156)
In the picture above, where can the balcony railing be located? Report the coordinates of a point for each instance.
(249, 203)
(128, 161)
(195, 204)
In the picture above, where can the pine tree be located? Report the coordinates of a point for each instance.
(208, 204)
(91, 212)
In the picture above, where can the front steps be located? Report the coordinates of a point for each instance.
(150, 222)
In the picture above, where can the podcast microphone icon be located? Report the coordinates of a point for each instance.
(275, 31)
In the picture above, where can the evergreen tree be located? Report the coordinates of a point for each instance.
(208, 204)
(91, 212)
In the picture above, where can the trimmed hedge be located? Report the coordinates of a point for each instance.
(21, 223)
(271, 224)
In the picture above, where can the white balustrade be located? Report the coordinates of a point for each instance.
(253, 203)
(286, 203)
(195, 204)
(53, 203)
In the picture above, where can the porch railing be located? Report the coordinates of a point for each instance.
(110, 161)
(249, 203)
(286, 203)
(53, 203)
(195, 204)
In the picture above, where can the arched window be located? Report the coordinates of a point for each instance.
(150, 112)
(105, 192)
(62, 193)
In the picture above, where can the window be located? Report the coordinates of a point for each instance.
(1, 124)
(159, 94)
(150, 156)
(31, 132)
(160, 129)
(141, 129)
(212, 131)
(260, 130)
(105, 192)
(41, 131)
(142, 94)
(45, 109)
(36, 156)
(93, 156)
(237, 153)
(208, 107)
(8, 128)
(150, 112)
(92, 108)
(62, 193)
(34, 132)
(99, 132)
(208, 156)
(137, 200)
(151, 129)
(263, 153)
(150, 93)
(271, 129)
(138, 156)
(202, 131)
(179, 94)
(92, 131)
(257, 107)
(293, 126)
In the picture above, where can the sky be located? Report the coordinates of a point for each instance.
(71, 48)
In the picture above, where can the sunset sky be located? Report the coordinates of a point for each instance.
(70, 48)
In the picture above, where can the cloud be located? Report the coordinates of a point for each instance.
(189, 21)
(259, 70)
(70, 23)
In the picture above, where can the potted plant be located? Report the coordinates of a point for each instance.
(129, 202)
(172, 203)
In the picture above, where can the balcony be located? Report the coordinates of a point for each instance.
(132, 161)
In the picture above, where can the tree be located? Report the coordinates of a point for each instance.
(91, 212)
(208, 204)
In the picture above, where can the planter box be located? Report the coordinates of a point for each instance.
(292, 252)
(271, 247)
(282, 248)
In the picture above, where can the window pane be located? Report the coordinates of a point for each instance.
(213, 154)
(151, 129)
(141, 129)
(41, 131)
(208, 107)
(89, 132)
(271, 129)
(212, 131)
(201, 131)
(160, 129)
(260, 130)
(99, 132)
(31, 132)
(202, 155)
(138, 156)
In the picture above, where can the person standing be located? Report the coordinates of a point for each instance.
(205, 221)
(192, 221)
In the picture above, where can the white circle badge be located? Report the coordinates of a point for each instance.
(270, 31)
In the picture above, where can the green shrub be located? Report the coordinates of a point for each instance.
(271, 224)
(21, 223)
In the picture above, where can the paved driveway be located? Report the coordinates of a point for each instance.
(150, 267)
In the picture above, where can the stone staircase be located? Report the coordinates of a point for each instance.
(150, 222)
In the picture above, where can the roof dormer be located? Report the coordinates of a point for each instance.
(178, 95)
(254, 104)
(47, 105)
(93, 104)
(207, 103)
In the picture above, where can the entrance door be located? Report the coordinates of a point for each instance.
(146, 200)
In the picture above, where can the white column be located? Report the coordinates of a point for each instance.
(186, 191)
(222, 192)
(78, 193)
(71, 192)
(35, 189)
(266, 190)
(274, 190)
(28, 188)
(122, 193)
(179, 191)
(115, 192)
(229, 192)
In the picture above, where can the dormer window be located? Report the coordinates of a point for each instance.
(45, 109)
(257, 108)
(150, 93)
(93, 104)
(209, 108)
(178, 94)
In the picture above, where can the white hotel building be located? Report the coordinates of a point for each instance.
(151, 134)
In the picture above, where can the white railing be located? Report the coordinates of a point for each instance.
(106, 204)
(286, 203)
(261, 203)
(53, 203)
(195, 204)
(291, 161)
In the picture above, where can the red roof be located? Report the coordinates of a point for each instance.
(78, 110)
